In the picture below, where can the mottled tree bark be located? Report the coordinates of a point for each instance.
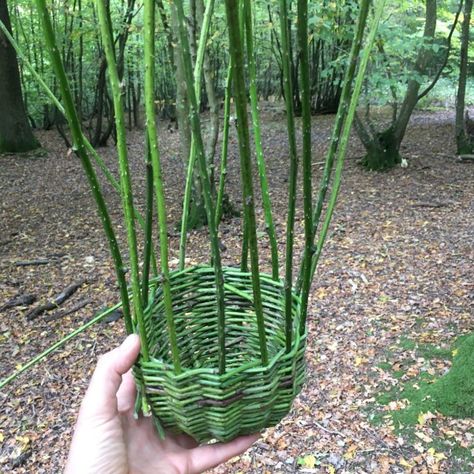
(463, 141)
(197, 212)
(212, 101)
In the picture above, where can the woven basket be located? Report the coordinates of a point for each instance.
(248, 397)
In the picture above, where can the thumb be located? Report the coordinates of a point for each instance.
(100, 398)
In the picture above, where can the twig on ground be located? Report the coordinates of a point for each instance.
(28, 263)
(333, 432)
(19, 300)
(62, 314)
(466, 158)
(57, 301)
(433, 205)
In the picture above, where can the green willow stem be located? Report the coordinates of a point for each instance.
(302, 11)
(125, 181)
(225, 145)
(80, 149)
(205, 183)
(148, 231)
(54, 100)
(340, 118)
(203, 37)
(237, 55)
(341, 153)
(149, 50)
(293, 174)
(116, 185)
(267, 205)
(57, 345)
(244, 259)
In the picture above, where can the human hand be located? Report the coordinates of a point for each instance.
(108, 439)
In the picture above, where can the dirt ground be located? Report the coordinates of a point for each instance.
(398, 265)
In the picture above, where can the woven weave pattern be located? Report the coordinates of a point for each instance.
(248, 397)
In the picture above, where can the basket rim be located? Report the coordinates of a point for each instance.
(250, 366)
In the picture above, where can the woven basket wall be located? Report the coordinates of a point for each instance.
(248, 397)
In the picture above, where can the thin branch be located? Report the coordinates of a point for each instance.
(446, 57)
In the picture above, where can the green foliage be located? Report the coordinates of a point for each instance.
(400, 39)
(330, 25)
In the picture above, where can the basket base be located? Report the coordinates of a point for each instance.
(205, 405)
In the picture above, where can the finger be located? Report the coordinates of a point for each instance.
(126, 393)
(101, 395)
(210, 455)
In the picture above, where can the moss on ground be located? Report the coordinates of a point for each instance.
(451, 395)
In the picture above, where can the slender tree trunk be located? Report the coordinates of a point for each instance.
(16, 135)
(197, 211)
(383, 148)
(424, 57)
(212, 102)
(463, 141)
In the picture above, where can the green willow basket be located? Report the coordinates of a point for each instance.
(248, 397)
(206, 388)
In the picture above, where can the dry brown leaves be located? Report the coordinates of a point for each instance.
(398, 263)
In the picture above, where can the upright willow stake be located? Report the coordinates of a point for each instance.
(125, 181)
(267, 206)
(340, 118)
(80, 149)
(203, 37)
(236, 52)
(293, 175)
(307, 156)
(148, 230)
(54, 100)
(341, 153)
(205, 184)
(149, 49)
(244, 259)
(225, 144)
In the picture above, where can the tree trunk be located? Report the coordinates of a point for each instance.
(212, 102)
(16, 135)
(383, 148)
(423, 60)
(197, 211)
(463, 141)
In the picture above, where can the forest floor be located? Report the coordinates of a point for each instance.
(393, 292)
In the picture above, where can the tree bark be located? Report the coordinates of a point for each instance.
(16, 135)
(463, 141)
(424, 56)
(212, 102)
(197, 212)
(383, 148)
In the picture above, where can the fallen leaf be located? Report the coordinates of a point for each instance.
(351, 452)
(423, 418)
(423, 437)
(404, 463)
(308, 461)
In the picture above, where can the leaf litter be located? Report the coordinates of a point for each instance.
(394, 284)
